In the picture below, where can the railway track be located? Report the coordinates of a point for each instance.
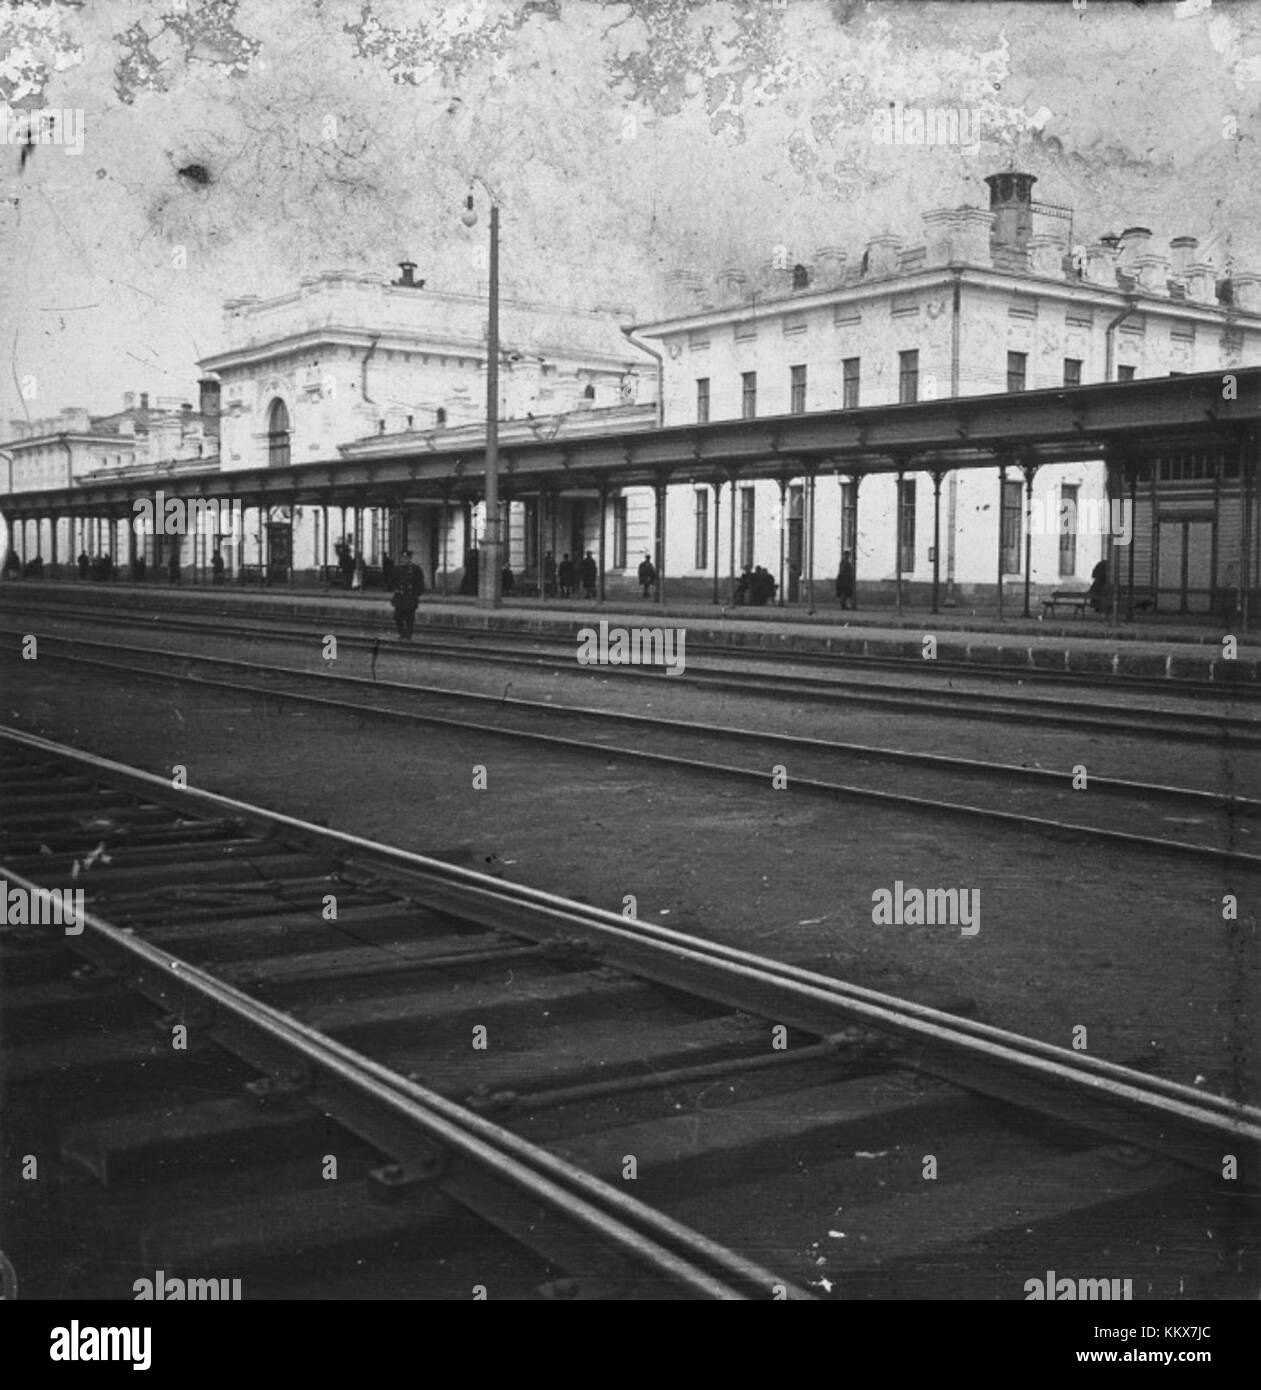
(1069, 802)
(527, 1095)
(846, 678)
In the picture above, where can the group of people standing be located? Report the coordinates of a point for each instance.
(564, 579)
(755, 587)
(100, 568)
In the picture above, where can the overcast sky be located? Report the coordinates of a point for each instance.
(622, 140)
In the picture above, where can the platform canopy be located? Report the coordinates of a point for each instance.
(1124, 422)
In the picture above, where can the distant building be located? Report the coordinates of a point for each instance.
(141, 438)
(992, 300)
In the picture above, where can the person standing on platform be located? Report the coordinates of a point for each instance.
(845, 581)
(565, 576)
(411, 584)
(84, 564)
(216, 565)
(647, 575)
(549, 575)
(345, 560)
(590, 573)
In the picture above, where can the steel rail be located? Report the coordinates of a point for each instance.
(1160, 723)
(655, 1242)
(1176, 685)
(899, 800)
(1092, 1093)
(970, 766)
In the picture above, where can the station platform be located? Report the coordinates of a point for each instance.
(1164, 646)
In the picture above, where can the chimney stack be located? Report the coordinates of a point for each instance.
(1133, 244)
(1246, 288)
(144, 401)
(1182, 251)
(1046, 256)
(830, 265)
(1011, 202)
(208, 400)
(731, 282)
(882, 256)
(1201, 282)
(407, 276)
(1153, 274)
(1101, 262)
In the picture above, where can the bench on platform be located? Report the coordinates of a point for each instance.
(1076, 600)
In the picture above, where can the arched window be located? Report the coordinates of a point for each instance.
(589, 394)
(278, 435)
(441, 416)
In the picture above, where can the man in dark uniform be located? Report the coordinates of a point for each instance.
(589, 572)
(845, 581)
(411, 584)
(647, 575)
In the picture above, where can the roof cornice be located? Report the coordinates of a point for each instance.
(1079, 291)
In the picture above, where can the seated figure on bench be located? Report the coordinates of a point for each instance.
(1098, 585)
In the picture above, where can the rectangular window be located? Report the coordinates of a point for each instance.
(746, 528)
(906, 525)
(849, 518)
(748, 395)
(701, 504)
(1125, 373)
(1012, 507)
(1072, 371)
(619, 533)
(797, 400)
(702, 400)
(849, 383)
(1068, 530)
(1016, 365)
(908, 377)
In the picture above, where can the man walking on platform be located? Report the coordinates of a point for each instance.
(411, 584)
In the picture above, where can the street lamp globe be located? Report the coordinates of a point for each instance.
(469, 215)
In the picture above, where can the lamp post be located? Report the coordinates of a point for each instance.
(490, 561)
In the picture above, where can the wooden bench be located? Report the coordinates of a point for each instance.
(1075, 599)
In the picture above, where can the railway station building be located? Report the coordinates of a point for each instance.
(351, 411)
(995, 299)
